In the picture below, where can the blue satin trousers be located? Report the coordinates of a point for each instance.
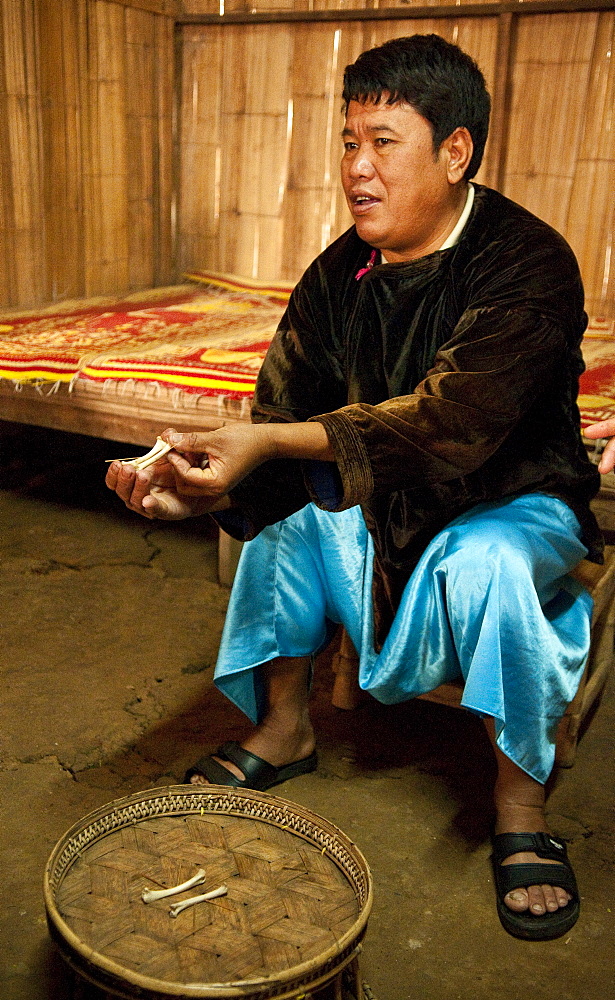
(490, 601)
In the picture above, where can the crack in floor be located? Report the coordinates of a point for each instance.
(45, 758)
(56, 566)
(156, 549)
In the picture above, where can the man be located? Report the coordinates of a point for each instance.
(414, 469)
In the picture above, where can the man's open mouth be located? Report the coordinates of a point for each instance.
(363, 202)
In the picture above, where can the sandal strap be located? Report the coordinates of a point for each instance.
(511, 877)
(542, 844)
(256, 771)
(215, 773)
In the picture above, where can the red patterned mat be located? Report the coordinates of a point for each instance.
(597, 386)
(208, 340)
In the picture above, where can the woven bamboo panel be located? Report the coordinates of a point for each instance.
(553, 65)
(106, 216)
(202, 6)
(62, 35)
(129, 153)
(87, 204)
(314, 208)
(298, 896)
(233, 6)
(86, 92)
(561, 144)
(431, 3)
(241, 6)
(164, 204)
(236, 122)
(255, 123)
(590, 223)
(169, 7)
(21, 196)
(201, 152)
(557, 156)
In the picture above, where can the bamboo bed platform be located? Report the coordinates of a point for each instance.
(125, 368)
(184, 355)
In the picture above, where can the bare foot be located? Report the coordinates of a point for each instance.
(538, 899)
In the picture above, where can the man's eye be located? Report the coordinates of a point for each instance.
(382, 141)
(348, 146)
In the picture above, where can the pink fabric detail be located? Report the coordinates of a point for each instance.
(368, 267)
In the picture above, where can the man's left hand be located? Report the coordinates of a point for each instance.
(210, 464)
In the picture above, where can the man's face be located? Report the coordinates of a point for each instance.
(396, 187)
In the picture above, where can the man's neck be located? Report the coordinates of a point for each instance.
(448, 234)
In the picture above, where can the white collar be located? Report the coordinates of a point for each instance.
(463, 218)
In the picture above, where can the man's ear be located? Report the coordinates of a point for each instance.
(457, 149)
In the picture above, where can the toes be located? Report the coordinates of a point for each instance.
(538, 899)
(546, 899)
(562, 897)
(517, 900)
(537, 903)
(550, 899)
(198, 778)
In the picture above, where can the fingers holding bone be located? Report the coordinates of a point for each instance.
(160, 449)
(153, 487)
(211, 464)
(133, 487)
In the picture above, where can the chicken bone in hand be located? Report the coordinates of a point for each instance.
(177, 485)
(198, 474)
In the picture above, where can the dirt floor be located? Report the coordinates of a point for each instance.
(110, 626)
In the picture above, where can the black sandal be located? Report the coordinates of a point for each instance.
(257, 773)
(508, 877)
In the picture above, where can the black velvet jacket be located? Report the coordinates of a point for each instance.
(442, 383)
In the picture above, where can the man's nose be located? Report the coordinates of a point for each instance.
(361, 164)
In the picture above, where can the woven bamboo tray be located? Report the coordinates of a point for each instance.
(299, 896)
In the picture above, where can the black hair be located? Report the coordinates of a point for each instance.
(437, 79)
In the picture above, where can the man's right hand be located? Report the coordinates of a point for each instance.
(153, 492)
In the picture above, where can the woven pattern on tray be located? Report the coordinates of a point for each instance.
(287, 901)
(209, 339)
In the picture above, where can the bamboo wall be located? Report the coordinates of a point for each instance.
(89, 165)
(86, 99)
(236, 6)
(260, 122)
